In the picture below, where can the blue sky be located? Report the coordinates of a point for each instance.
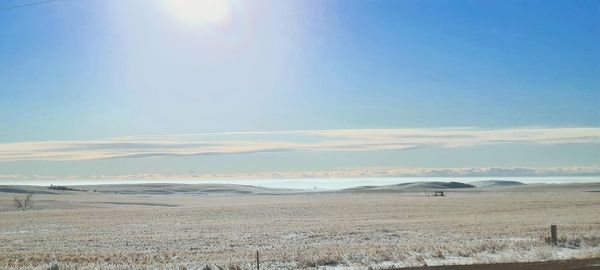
(88, 71)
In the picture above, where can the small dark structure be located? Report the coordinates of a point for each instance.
(257, 261)
(553, 235)
(438, 193)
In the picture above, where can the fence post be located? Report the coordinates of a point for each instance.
(553, 234)
(257, 261)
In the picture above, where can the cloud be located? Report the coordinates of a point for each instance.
(288, 141)
(341, 173)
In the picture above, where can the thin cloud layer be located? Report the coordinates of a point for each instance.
(288, 141)
(340, 173)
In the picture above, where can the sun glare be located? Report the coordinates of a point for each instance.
(200, 11)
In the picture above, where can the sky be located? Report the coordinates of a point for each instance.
(265, 88)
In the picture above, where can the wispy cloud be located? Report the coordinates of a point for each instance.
(286, 141)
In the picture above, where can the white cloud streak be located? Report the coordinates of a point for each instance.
(288, 141)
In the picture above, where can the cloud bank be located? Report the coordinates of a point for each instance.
(288, 141)
(340, 173)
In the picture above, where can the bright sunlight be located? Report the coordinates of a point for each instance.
(200, 12)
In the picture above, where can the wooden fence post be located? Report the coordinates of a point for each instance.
(553, 234)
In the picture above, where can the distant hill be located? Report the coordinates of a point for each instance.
(414, 186)
(151, 189)
(189, 189)
(496, 183)
(27, 189)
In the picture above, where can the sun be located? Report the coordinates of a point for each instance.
(200, 11)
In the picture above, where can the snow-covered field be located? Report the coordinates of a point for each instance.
(346, 230)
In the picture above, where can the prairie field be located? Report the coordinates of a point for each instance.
(320, 230)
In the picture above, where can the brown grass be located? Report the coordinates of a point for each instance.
(299, 231)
